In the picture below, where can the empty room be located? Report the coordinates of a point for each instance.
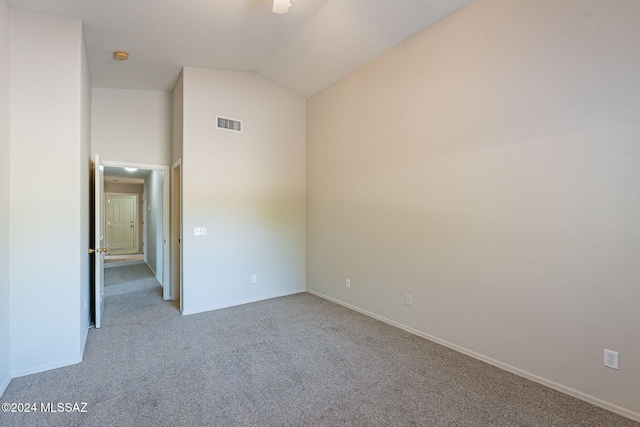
(340, 212)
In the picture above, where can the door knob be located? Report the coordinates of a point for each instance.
(91, 251)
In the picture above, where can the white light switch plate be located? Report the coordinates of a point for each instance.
(200, 231)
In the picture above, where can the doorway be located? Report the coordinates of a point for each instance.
(122, 223)
(154, 240)
(150, 184)
(176, 231)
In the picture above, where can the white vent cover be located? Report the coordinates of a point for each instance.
(228, 124)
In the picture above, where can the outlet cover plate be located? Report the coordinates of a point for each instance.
(611, 359)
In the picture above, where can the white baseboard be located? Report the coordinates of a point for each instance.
(83, 338)
(559, 387)
(46, 367)
(241, 302)
(4, 384)
(157, 276)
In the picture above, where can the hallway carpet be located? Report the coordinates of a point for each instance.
(292, 361)
(125, 277)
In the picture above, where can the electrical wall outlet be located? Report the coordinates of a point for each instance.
(347, 283)
(408, 300)
(254, 279)
(611, 359)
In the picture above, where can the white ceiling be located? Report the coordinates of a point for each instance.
(315, 44)
(123, 176)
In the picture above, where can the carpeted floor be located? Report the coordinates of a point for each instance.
(291, 361)
(125, 277)
(123, 258)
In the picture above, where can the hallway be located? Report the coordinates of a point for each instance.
(125, 277)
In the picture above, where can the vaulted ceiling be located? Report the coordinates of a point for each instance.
(313, 45)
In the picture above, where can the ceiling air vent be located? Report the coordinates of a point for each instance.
(229, 124)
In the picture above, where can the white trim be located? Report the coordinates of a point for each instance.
(116, 164)
(166, 233)
(176, 289)
(153, 270)
(85, 335)
(166, 259)
(241, 302)
(46, 367)
(4, 384)
(559, 387)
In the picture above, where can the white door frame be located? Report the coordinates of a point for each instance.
(176, 230)
(166, 236)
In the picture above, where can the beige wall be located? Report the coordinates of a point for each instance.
(132, 126)
(116, 187)
(5, 37)
(48, 136)
(489, 167)
(247, 188)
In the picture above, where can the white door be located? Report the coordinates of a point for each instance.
(122, 216)
(99, 243)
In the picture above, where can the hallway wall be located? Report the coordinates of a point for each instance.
(153, 192)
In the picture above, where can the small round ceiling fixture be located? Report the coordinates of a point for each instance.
(120, 55)
(281, 6)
